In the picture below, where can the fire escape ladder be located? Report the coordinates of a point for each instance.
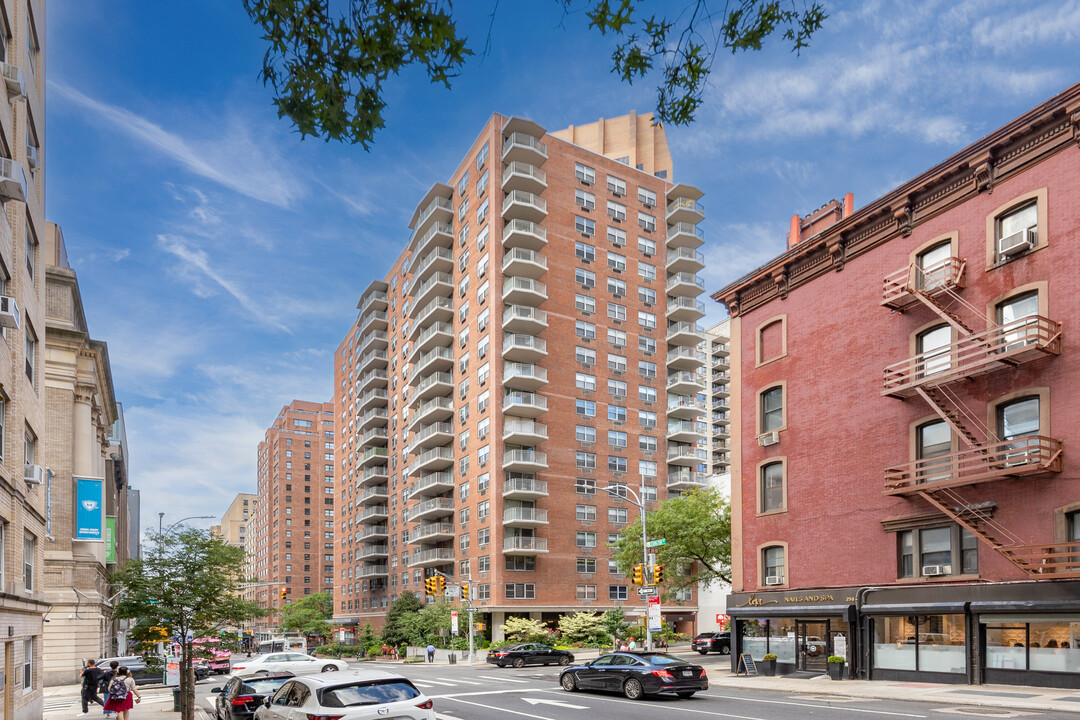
(956, 414)
(977, 520)
(943, 311)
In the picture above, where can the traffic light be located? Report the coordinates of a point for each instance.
(465, 591)
(639, 577)
(440, 585)
(284, 592)
(431, 586)
(657, 574)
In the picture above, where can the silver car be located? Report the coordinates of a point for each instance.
(352, 695)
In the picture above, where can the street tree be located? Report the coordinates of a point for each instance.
(615, 624)
(583, 627)
(697, 529)
(328, 61)
(310, 615)
(186, 582)
(521, 629)
(396, 630)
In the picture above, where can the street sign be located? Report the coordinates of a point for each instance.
(453, 591)
(656, 543)
(453, 622)
(647, 591)
(470, 610)
(655, 619)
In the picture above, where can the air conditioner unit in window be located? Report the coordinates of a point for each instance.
(31, 156)
(1018, 242)
(774, 580)
(9, 312)
(12, 180)
(34, 474)
(932, 570)
(13, 78)
(769, 438)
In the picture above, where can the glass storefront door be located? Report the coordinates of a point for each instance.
(811, 646)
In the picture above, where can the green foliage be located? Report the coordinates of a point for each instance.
(836, 659)
(411, 660)
(328, 67)
(519, 629)
(768, 656)
(583, 627)
(367, 637)
(697, 527)
(615, 624)
(398, 616)
(309, 615)
(186, 582)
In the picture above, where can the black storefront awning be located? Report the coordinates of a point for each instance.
(1015, 607)
(801, 611)
(929, 608)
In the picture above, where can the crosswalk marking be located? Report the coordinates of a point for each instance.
(438, 682)
(470, 682)
(501, 679)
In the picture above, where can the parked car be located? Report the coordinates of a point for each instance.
(295, 663)
(355, 695)
(636, 675)
(708, 642)
(242, 694)
(528, 654)
(145, 673)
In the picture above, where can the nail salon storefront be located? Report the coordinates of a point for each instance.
(1023, 633)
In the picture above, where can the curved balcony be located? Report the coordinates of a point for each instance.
(689, 455)
(522, 262)
(523, 148)
(523, 460)
(720, 390)
(523, 176)
(686, 431)
(375, 436)
(432, 557)
(440, 284)
(438, 458)
(524, 234)
(441, 309)
(374, 532)
(685, 210)
(685, 333)
(437, 410)
(684, 260)
(438, 334)
(374, 300)
(1006, 460)
(523, 376)
(684, 309)
(373, 552)
(373, 456)
(373, 512)
(376, 319)
(372, 379)
(440, 359)
(438, 235)
(720, 349)
(523, 348)
(524, 546)
(373, 417)
(684, 480)
(524, 517)
(435, 483)
(685, 408)
(434, 385)
(685, 235)
(685, 285)
(372, 359)
(375, 396)
(524, 319)
(432, 435)
(524, 432)
(379, 494)
(376, 570)
(436, 507)
(432, 532)
(374, 340)
(686, 358)
(685, 382)
(373, 475)
(521, 205)
(439, 259)
(439, 210)
(524, 404)
(523, 291)
(524, 488)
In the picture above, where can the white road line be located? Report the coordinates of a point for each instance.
(469, 682)
(502, 679)
(439, 682)
(502, 709)
(831, 707)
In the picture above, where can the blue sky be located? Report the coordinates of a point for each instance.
(221, 257)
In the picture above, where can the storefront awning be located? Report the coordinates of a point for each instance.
(1020, 606)
(932, 608)
(801, 611)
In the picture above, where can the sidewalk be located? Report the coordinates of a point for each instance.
(157, 703)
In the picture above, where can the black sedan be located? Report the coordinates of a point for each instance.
(524, 654)
(148, 671)
(244, 693)
(636, 675)
(707, 642)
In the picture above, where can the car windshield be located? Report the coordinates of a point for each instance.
(705, 636)
(368, 693)
(261, 686)
(660, 659)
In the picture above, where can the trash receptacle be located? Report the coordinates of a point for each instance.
(176, 699)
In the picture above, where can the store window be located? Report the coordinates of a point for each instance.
(1031, 643)
(924, 643)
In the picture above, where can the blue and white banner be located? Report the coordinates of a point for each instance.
(89, 509)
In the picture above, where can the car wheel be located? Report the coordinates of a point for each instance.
(568, 682)
(703, 652)
(725, 649)
(686, 693)
(519, 662)
(632, 689)
(329, 668)
(564, 660)
(501, 664)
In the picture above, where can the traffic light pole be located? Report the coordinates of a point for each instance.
(644, 549)
(468, 583)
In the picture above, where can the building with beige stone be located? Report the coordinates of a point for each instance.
(234, 521)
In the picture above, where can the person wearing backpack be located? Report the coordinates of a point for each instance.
(121, 688)
(103, 686)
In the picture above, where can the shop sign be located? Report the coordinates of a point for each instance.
(838, 596)
(89, 509)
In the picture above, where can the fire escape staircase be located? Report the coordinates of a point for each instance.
(986, 458)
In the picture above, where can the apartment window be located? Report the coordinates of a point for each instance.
(616, 363)
(585, 486)
(482, 481)
(483, 563)
(463, 183)
(585, 278)
(520, 564)
(481, 157)
(933, 444)
(772, 409)
(616, 438)
(646, 222)
(646, 197)
(584, 355)
(1017, 315)
(646, 246)
(616, 413)
(28, 664)
(462, 238)
(584, 303)
(929, 552)
(933, 346)
(584, 381)
(585, 199)
(481, 239)
(616, 388)
(463, 440)
(483, 373)
(616, 312)
(585, 460)
(617, 515)
(616, 337)
(1017, 424)
(586, 539)
(647, 369)
(646, 419)
(463, 466)
(616, 236)
(772, 563)
(646, 295)
(616, 287)
(647, 271)
(29, 551)
(586, 512)
(30, 447)
(463, 541)
(647, 468)
(31, 343)
(585, 329)
(483, 509)
(616, 261)
(585, 408)
(584, 173)
(616, 185)
(463, 491)
(584, 433)
(585, 226)
(481, 184)
(616, 211)
(462, 211)
(1016, 231)
(482, 267)
(483, 454)
(586, 565)
(616, 464)
(586, 592)
(482, 427)
(584, 251)
(933, 266)
(772, 487)
(520, 591)
(646, 393)
(618, 592)
(647, 443)
(646, 345)
(483, 538)
(482, 211)
(646, 320)
(463, 286)
(482, 346)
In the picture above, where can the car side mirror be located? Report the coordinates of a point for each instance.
(266, 702)
(216, 690)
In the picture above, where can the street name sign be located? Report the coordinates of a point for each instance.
(656, 543)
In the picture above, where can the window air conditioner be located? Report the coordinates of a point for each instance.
(34, 474)
(12, 180)
(9, 312)
(769, 438)
(931, 570)
(774, 580)
(31, 156)
(1018, 242)
(13, 78)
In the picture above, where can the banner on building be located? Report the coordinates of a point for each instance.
(89, 509)
(110, 539)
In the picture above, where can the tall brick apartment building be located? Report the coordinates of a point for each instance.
(535, 342)
(903, 491)
(290, 535)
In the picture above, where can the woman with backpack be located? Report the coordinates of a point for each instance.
(121, 689)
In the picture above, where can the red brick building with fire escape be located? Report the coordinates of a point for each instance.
(902, 493)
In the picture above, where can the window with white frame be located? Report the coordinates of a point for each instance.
(616, 312)
(617, 515)
(616, 287)
(584, 433)
(647, 369)
(585, 486)
(585, 460)
(584, 381)
(585, 329)
(29, 558)
(584, 303)
(616, 185)
(618, 592)
(647, 468)
(646, 393)
(646, 246)
(585, 539)
(481, 212)
(616, 388)
(646, 419)
(586, 565)
(616, 337)
(584, 173)
(616, 261)
(617, 363)
(585, 408)
(481, 157)
(646, 197)
(482, 319)
(646, 295)
(616, 211)
(646, 345)
(646, 320)
(647, 271)
(646, 222)
(585, 356)
(586, 512)
(584, 225)
(584, 251)
(482, 183)
(616, 236)
(616, 438)
(616, 413)
(481, 239)
(584, 199)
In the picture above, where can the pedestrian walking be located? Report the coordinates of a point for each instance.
(633, 645)
(121, 690)
(430, 653)
(103, 687)
(91, 678)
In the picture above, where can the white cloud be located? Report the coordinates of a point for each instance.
(1042, 24)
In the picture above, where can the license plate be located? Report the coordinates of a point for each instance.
(687, 673)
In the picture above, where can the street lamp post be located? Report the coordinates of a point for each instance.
(192, 517)
(618, 492)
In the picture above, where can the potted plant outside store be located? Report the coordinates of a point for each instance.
(835, 664)
(768, 665)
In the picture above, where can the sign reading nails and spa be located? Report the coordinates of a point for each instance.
(89, 509)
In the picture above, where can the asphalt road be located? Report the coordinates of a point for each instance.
(462, 692)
